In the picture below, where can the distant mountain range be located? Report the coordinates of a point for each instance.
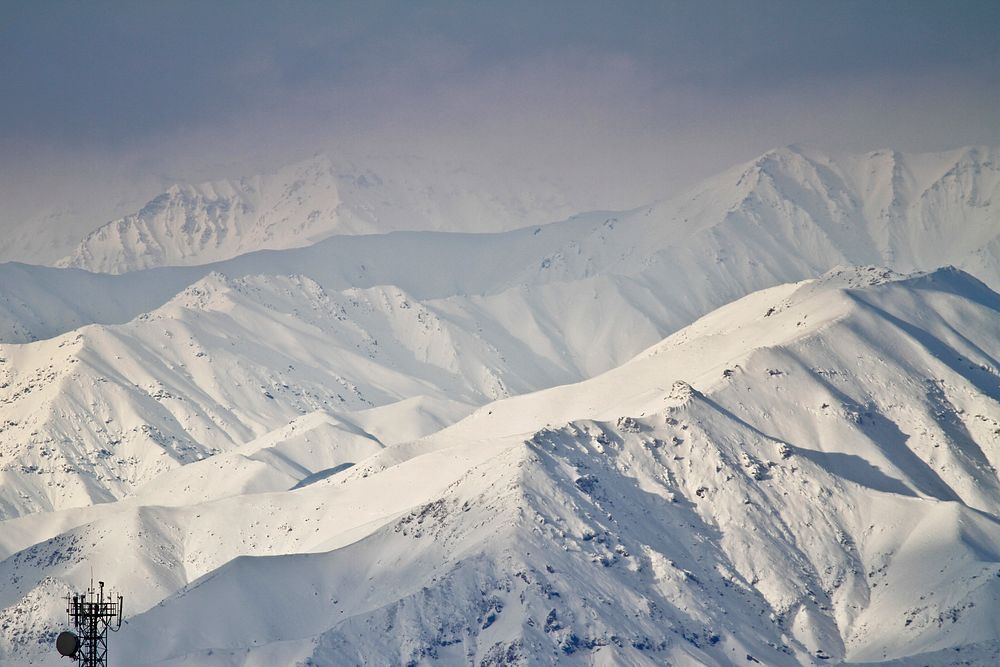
(866, 209)
(447, 448)
(308, 201)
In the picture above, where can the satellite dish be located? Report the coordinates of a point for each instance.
(67, 644)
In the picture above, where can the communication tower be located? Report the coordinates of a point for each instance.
(92, 614)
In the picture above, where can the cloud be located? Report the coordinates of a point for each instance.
(631, 101)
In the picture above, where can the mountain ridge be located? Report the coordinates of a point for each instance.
(742, 242)
(462, 447)
(304, 202)
(734, 491)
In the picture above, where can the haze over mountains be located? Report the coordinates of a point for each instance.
(785, 216)
(308, 201)
(868, 208)
(326, 367)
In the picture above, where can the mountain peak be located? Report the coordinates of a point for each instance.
(307, 201)
(756, 493)
(703, 452)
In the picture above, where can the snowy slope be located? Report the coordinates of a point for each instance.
(38, 302)
(469, 317)
(787, 216)
(194, 398)
(805, 476)
(910, 211)
(307, 201)
(92, 414)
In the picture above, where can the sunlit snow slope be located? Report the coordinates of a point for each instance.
(919, 210)
(805, 476)
(199, 360)
(788, 215)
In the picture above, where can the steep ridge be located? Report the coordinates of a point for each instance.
(787, 216)
(805, 476)
(307, 201)
(471, 317)
(38, 302)
(90, 415)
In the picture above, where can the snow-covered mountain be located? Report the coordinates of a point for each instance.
(911, 210)
(355, 322)
(805, 476)
(766, 482)
(787, 216)
(222, 363)
(307, 201)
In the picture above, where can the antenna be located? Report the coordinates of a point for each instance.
(92, 614)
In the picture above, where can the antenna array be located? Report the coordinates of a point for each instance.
(92, 613)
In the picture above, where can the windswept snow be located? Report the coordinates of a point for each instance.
(787, 216)
(339, 446)
(805, 476)
(182, 363)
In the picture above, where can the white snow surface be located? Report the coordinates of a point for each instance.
(338, 453)
(787, 216)
(883, 207)
(132, 375)
(304, 202)
(804, 476)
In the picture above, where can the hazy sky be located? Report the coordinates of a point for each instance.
(630, 100)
